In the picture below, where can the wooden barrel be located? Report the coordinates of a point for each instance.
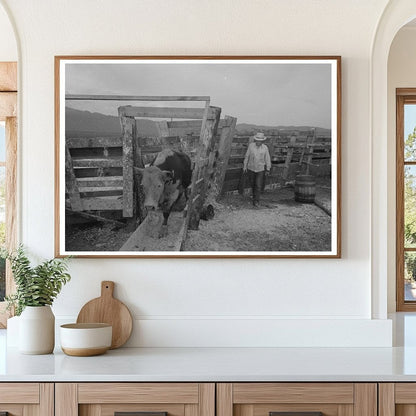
(305, 188)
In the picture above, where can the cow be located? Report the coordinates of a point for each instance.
(164, 182)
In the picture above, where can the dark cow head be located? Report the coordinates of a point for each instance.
(160, 189)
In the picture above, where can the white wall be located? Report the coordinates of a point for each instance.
(195, 302)
(401, 74)
(8, 47)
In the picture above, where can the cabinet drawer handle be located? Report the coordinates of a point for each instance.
(295, 413)
(139, 414)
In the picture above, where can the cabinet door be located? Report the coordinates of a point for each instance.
(26, 399)
(297, 399)
(397, 399)
(141, 399)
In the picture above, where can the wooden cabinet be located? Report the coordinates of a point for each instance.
(297, 399)
(208, 399)
(397, 399)
(27, 399)
(107, 399)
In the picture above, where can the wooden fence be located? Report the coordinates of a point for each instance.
(291, 153)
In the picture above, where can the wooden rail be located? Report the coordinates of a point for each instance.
(108, 97)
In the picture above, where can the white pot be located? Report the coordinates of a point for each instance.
(37, 330)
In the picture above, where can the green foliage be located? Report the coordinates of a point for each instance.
(2, 234)
(410, 192)
(410, 205)
(35, 286)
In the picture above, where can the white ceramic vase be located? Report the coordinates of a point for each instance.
(37, 330)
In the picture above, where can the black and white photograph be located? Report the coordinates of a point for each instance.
(198, 156)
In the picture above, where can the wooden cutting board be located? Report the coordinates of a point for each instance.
(107, 309)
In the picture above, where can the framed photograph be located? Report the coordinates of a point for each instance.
(198, 156)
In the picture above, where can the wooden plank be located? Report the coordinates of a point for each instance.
(81, 142)
(224, 152)
(47, 399)
(345, 410)
(101, 181)
(23, 393)
(405, 393)
(162, 128)
(85, 189)
(91, 410)
(8, 105)
(66, 399)
(138, 393)
(203, 167)
(401, 305)
(71, 184)
(109, 97)
(386, 399)
(288, 158)
(96, 217)
(146, 235)
(102, 203)
(224, 399)
(193, 124)
(405, 410)
(311, 150)
(183, 124)
(245, 410)
(340, 393)
(191, 410)
(162, 112)
(11, 218)
(207, 399)
(129, 132)
(365, 399)
(8, 76)
(97, 162)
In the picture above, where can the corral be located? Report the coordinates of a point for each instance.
(103, 184)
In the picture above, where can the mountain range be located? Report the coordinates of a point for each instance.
(80, 123)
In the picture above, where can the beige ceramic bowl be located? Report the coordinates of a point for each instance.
(83, 340)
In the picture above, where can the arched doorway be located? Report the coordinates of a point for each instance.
(396, 15)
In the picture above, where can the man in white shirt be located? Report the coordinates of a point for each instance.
(257, 163)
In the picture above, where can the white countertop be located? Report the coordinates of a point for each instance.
(222, 364)
(215, 364)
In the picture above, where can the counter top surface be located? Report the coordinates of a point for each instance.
(215, 364)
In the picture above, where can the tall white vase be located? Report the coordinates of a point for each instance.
(37, 330)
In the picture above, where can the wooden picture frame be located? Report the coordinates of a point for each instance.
(195, 119)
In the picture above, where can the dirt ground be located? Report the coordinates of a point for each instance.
(279, 224)
(96, 237)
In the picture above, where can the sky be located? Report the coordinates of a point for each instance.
(263, 94)
(2, 142)
(409, 119)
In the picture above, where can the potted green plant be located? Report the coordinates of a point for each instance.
(36, 289)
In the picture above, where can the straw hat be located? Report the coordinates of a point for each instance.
(260, 137)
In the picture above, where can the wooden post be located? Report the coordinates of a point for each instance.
(310, 152)
(71, 182)
(162, 128)
(128, 125)
(289, 155)
(224, 152)
(138, 194)
(199, 185)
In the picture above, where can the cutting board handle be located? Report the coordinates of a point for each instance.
(107, 289)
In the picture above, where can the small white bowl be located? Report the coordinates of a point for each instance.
(83, 340)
